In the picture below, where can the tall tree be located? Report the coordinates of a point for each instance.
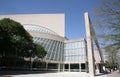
(109, 22)
(16, 41)
(112, 56)
(13, 38)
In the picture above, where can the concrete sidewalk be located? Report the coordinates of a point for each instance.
(53, 74)
(114, 74)
(60, 74)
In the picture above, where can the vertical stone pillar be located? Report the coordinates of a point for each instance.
(69, 67)
(63, 67)
(79, 67)
(97, 68)
(46, 65)
(58, 67)
(91, 64)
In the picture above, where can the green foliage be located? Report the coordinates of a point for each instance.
(40, 51)
(16, 41)
(110, 65)
(112, 54)
(13, 38)
(36, 50)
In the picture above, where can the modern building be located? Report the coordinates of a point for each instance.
(48, 30)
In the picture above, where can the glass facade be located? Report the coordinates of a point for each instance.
(55, 49)
(69, 51)
(75, 51)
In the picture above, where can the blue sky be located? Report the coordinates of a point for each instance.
(73, 10)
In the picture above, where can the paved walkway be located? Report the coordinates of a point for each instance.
(60, 74)
(63, 74)
(114, 74)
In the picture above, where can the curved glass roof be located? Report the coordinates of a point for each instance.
(36, 28)
(54, 48)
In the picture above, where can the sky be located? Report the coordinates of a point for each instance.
(73, 9)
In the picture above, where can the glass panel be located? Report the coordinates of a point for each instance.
(37, 28)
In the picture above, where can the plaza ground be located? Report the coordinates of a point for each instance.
(55, 74)
(60, 74)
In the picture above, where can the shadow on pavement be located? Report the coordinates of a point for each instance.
(4, 73)
(6, 76)
(102, 74)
